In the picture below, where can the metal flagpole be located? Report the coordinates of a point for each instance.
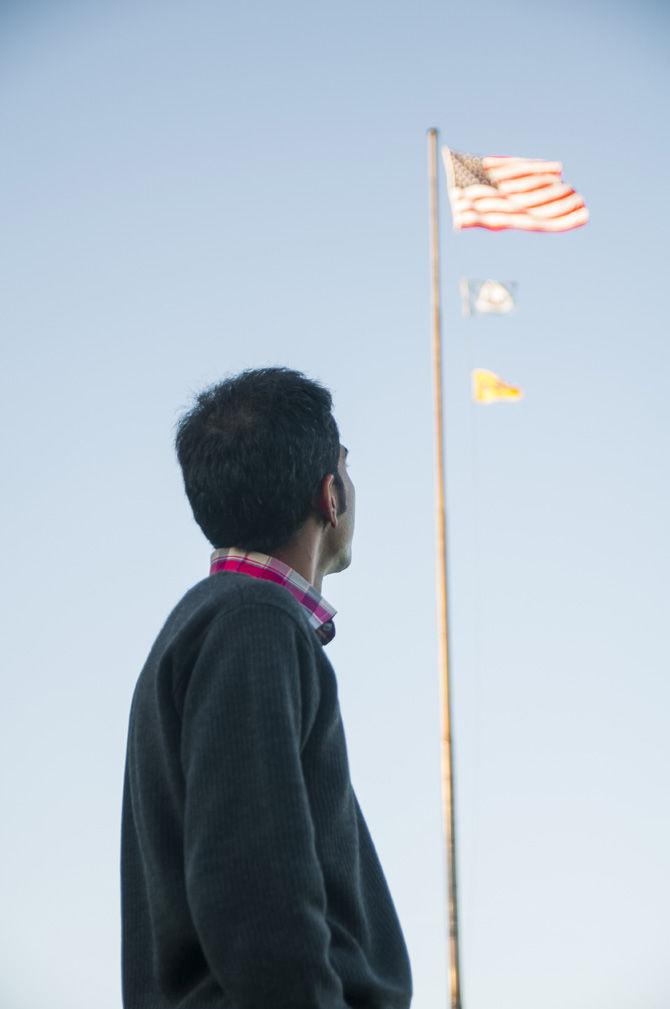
(442, 614)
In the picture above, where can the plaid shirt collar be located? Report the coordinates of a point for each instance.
(319, 612)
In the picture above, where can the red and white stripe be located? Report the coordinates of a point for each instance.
(525, 193)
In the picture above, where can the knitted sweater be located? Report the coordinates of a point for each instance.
(249, 879)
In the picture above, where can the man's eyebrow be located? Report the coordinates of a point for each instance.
(346, 451)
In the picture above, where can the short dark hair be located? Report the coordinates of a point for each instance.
(253, 450)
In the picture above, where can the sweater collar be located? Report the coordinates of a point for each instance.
(249, 562)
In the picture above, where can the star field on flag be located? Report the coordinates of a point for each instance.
(501, 192)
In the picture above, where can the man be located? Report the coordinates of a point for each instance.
(248, 876)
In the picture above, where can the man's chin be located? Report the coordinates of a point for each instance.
(341, 562)
(344, 560)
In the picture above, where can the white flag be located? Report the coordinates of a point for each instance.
(488, 297)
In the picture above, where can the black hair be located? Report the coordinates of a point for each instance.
(254, 450)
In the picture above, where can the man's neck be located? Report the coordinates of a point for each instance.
(303, 558)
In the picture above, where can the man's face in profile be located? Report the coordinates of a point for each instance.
(342, 536)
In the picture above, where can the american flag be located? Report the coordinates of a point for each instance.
(508, 192)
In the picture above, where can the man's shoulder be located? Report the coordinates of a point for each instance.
(230, 592)
(253, 604)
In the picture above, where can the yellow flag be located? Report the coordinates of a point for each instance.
(487, 387)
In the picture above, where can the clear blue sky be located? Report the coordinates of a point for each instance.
(189, 189)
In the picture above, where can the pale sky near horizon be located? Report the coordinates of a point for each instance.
(193, 189)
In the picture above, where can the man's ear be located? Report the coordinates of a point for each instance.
(333, 501)
(327, 494)
(330, 501)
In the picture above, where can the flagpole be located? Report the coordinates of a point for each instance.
(441, 559)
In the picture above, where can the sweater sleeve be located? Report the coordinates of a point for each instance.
(253, 878)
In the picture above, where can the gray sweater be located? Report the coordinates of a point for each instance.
(249, 879)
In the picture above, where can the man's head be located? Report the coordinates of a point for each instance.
(262, 463)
